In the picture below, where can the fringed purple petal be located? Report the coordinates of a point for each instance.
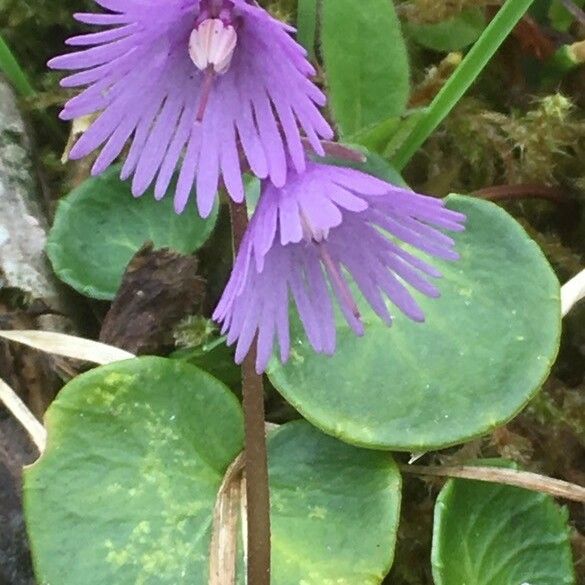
(140, 78)
(308, 241)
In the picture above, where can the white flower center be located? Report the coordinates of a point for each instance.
(212, 45)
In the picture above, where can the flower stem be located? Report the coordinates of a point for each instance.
(256, 465)
(467, 72)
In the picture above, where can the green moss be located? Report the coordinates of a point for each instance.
(480, 146)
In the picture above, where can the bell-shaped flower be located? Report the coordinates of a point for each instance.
(309, 240)
(190, 84)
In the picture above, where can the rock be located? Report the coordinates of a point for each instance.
(23, 226)
(30, 295)
(30, 298)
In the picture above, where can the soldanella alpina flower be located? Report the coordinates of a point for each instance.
(307, 241)
(191, 84)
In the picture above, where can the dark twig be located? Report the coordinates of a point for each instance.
(256, 466)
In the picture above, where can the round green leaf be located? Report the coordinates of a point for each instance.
(485, 349)
(335, 509)
(453, 34)
(99, 227)
(125, 491)
(137, 450)
(490, 534)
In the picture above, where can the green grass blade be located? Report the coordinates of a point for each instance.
(469, 70)
(13, 71)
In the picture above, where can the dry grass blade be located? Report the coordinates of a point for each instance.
(223, 551)
(19, 410)
(573, 292)
(244, 523)
(69, 346)
(523, 479)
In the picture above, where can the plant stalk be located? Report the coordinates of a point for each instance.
(255, 455)
(463, 77)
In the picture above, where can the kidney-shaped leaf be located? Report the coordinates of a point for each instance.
(136, 453)
(124, 492)
(366, 63)
(335, 509)
(486, 347)
(489, 534)
(99, 227)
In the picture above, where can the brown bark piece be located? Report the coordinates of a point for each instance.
(160, 288)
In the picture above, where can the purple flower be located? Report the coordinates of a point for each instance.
(307, 237)
(190, 83)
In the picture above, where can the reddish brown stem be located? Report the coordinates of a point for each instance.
(526, 191)
(256, 466)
